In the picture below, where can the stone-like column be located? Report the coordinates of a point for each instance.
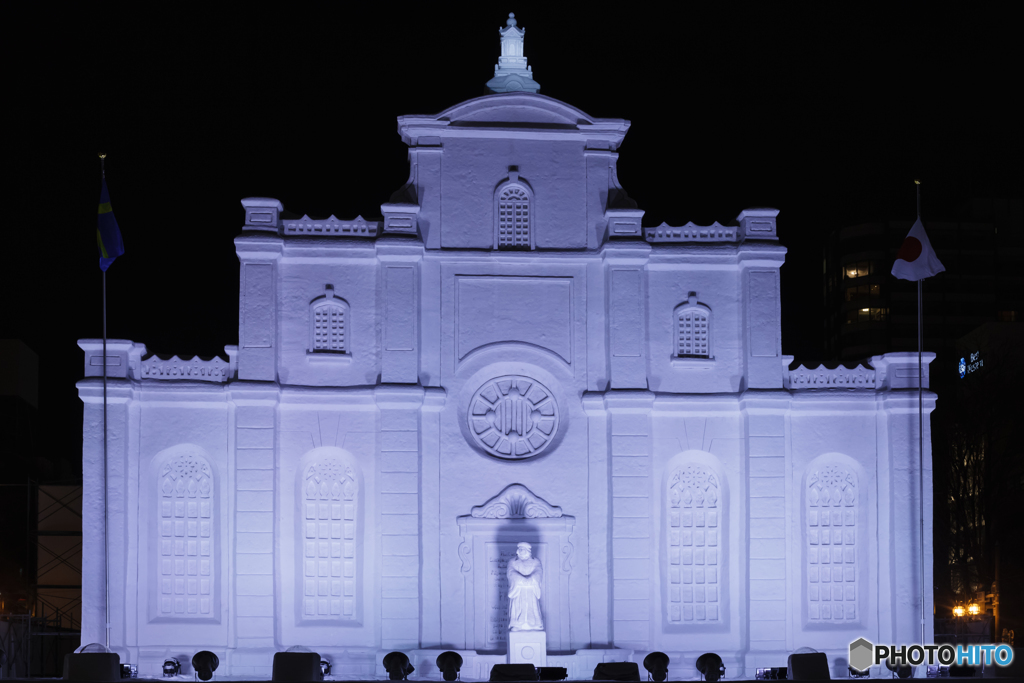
(399, 515)
(631, 517)
(255, 463)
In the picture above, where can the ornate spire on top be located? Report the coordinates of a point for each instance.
(511, 73)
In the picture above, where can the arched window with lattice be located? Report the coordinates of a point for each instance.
(330, 505)
(513, 213)
(694, 509)
(328, 323)
(831, 497)
(186, 555)
(692, 330)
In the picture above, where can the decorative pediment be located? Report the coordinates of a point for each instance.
(516, 502)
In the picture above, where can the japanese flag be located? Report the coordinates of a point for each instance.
(916, 259)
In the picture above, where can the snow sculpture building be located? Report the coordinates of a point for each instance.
(506, 356)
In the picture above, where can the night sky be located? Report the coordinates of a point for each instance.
(825, 113)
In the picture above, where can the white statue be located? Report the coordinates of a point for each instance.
(525, 577)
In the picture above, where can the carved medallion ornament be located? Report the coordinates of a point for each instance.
(513, 417)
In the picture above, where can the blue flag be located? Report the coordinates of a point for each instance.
(108, 237)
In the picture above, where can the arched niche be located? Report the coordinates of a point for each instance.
(490, 534)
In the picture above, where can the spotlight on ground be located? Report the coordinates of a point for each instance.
(398, 666)
(513, 672)
(710, 666)
(899, 670)
(656, 664)
(296, 667)
(449, 664)
(808, 665)
(552, 673)
(205, 663)
(325, 668)
(92, 662)
(617, 671)
(172, 667)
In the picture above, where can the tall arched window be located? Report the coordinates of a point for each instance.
(328, 323)
(694, 509)
(329, 540)
(692, 330)
(831, 497)
(513, 215)
(186, 559)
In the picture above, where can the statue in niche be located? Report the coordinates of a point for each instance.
(524, 581)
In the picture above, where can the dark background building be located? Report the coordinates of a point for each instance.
(972, 314)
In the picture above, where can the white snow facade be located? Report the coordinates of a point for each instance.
(506, 356)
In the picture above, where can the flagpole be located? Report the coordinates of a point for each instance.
(106, 545)
(920, 418)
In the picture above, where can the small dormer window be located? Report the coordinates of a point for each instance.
(513, 215)
(328, 323)
(692, 323)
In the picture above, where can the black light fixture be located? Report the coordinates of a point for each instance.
(205, 663)
(297, 665)
(856, 673)
(449, 664)
(171, 667)
(513, 672)
(552, 673)
(617, 671)
(92, 662)
(710, 666)
(398, 666)
(656, 664)
(899, 670)
(807, 665)
(325, 667)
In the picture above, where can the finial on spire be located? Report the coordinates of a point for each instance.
(511, 73)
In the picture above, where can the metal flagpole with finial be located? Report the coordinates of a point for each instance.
(916, 260)
(920, 417)
(106, 545)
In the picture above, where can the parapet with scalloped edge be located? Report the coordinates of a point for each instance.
(129, 360)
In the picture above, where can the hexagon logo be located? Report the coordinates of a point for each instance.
(861, 657)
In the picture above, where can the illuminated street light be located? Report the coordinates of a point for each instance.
(973, 608)
(958, 611)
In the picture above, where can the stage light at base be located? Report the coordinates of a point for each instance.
(656, 664)
(449, 664)
(899, 670)
(807, 665)
(171, 667)
(204, 663)
(296, 667)
(91, 665)
(710, 666)
(617, 671)
(513, 672)
(856, 673)
(398, 666)
(325, 668)
(552, 673)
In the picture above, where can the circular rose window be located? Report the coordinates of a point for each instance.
(513, 417)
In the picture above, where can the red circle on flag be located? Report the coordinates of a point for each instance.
(910, 250)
